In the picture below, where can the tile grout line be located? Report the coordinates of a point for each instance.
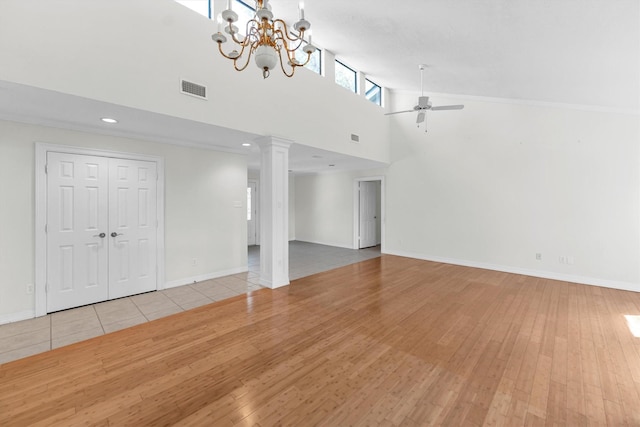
(138, 307)
(99, 319)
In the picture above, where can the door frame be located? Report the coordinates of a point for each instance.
(41, 150)
(356, 210)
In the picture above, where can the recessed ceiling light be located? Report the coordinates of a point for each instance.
(315, 156)
(109, 120)
(331, 166)
(246, 144)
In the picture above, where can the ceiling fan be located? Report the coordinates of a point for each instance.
(424, 104)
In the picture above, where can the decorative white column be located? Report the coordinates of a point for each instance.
(274, 211)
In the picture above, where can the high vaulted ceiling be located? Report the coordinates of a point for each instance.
(584, 52)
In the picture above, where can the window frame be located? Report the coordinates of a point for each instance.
(241, 3)
(374, 85)
(355, 77)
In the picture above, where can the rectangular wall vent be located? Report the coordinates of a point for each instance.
(193, 89)
(355, 138)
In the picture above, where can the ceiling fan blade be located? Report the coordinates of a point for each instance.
(448, 107)
(399, 112)
(420, 118)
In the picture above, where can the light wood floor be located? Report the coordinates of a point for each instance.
(389, 341)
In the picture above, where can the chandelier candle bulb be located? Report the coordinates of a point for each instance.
(229, 16)
(301, 6)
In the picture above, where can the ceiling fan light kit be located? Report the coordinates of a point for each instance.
(424, 104)
(268, 40)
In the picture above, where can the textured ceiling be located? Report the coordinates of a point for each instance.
(584, 52)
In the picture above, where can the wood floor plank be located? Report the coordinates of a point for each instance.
(386, 342)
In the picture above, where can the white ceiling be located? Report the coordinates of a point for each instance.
(584, 52)
(44, 107)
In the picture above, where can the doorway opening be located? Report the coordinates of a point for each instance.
(368, 219)
(253, 211)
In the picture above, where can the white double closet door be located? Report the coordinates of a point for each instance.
(101, 229)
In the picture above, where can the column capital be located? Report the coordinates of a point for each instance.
(273, 141)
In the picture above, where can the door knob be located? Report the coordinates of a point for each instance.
(114, 234)
(101, 235)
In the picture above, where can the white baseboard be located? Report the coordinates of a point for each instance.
(16, 317)
(592, 281)
(336, 245)
(203, 277)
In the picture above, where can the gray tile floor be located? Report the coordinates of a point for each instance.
(28, 337)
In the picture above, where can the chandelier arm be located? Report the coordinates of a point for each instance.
(234, 59)
(286, 41)
(293, 66)
(246, 64)
(277, 37)
(248, 29)
(291, 36)
(222, 52)
(293, 49)
(283, 25)
(254, 34)
(307, 61)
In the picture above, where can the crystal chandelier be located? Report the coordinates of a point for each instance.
(267, 39)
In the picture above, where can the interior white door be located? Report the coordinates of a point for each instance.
(367, 205)
(101, 229)
(133, 226)
(252, 213)
(77, 226)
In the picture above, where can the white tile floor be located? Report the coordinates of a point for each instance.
(28, 337)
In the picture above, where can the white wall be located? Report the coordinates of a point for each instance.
(201, 221)
(496, 183)
(325, 207)
(135, 53)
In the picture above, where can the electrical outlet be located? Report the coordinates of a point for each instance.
(539, 256)
(29, 288)
(194, 262)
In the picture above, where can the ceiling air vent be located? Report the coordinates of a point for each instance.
(355, 138)
(193, 89)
